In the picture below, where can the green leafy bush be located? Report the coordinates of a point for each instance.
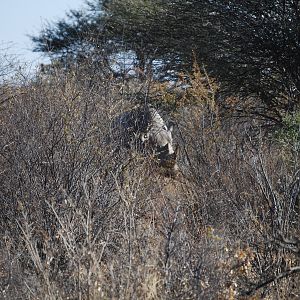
(289, 134)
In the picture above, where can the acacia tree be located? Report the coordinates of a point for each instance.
(104, 29)
(252, 46)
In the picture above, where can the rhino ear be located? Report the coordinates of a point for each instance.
(144, 137)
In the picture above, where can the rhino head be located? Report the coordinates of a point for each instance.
(161, 139)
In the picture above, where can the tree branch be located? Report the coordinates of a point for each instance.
(270, 280)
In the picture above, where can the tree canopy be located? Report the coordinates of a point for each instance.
(251, 47)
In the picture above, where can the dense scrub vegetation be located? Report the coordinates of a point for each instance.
(84, 218)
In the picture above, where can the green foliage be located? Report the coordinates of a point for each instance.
(289, 134)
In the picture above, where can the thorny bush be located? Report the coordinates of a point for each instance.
(82, 218)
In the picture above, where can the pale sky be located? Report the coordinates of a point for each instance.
(19, 18)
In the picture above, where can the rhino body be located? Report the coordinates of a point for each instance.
(144, 129)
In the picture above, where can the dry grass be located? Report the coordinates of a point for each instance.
(81, 220)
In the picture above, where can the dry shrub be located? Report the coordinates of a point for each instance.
(83, 218)
(190, 90)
